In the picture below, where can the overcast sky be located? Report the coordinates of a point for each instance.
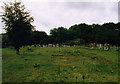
(49, 15)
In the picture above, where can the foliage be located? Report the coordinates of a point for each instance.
(95, 33)
(60, 35)
(17, 24)
(75, 42)
(38, 37)
(5, 41)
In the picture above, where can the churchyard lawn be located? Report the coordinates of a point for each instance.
(60, 64)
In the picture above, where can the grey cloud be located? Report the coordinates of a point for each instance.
(54, 14)
(119, 11)
(49, 15)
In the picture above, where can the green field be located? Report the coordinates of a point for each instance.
(0, 65)
(60, 64)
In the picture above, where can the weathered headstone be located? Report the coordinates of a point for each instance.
(53, 45)
(64, 45)
(32, 45)
(92, 45)
(100, 46)
(44, 46)
(57, 45)
(74, 45)
(39, 45)
(106, 46)
(49, 45)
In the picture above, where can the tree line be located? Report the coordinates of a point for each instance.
(77, 34)
(85, 34)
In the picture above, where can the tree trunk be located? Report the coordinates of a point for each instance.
(17, 52)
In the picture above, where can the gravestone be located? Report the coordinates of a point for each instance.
(92, 45)
(106, 46)
(74, 45)
(57, 45)
(32, 45)
(64, 45)
(49, 45)
(100, 46)
(53, 45)
(68, 45)
(43, 46)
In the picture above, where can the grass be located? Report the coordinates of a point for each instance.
(60, 64)
(0, 65)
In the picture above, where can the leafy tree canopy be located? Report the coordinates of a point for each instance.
(17, 24)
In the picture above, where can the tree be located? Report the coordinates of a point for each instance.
(5, 41)
(108, 33)
(118, 37)
(96, 29)
(60, 34)
(39, 37)
(17, 24)
(82, 31)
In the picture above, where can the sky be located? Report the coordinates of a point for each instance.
(48, 15)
